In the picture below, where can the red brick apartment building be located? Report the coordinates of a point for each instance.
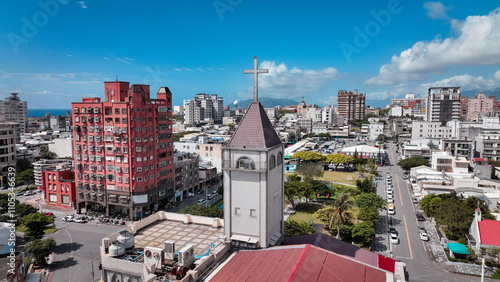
(59, 187)
(123, 150)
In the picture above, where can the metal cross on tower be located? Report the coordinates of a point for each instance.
(255, 71)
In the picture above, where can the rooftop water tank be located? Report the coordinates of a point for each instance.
(116, 249)
(126, 238)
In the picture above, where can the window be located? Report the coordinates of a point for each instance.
(280, 158)
(53, 197)
(124, 110)
(272, 161)
(65, 199)
(50, 187)
(245, 163)
(110, 177)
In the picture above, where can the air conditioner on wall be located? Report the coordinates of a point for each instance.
(154, 255)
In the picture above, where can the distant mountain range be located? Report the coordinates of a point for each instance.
(267, 102)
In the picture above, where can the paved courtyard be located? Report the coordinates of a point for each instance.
(182, 234)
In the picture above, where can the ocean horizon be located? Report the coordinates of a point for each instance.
(43, 112)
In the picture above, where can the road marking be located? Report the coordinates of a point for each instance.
(402, 257)
(408, 237)
(399, 190)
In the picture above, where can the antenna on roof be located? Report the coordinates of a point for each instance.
(116, 79)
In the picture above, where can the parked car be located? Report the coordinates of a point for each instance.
(420, 217)
(389, 192)
(391, 211)
(190, 194)
(68, 218)
(424, 237)
(80, 220)
(394, 239)
(201, 202)
(27, 193)
(390, 205)
(421, 229)
(391, 200)
(414, 200)
(390, 197)
(393, 230)
(49, 214)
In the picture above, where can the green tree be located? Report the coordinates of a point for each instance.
(320, 187)
(309, 156)
(425, 204)
(220, 190)
(22, 165)
(294, 177)
(361, 170)
(26, 176)
(41, 250)
(381, 138)
(294, 228)
(309, 170)
(366, 185)
(370, 200)
(201, 210)
(49, 155)
(293, 191)
(363, 231)
(340, 213)
(409, 163)
(338, 159)
(325, 135)
(35, 224)
(369, 214)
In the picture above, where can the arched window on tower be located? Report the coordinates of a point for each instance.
(272, 162)
(280, 158)
(245, 163)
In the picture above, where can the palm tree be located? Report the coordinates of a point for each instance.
(342, 211)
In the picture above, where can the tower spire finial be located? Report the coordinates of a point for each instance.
(255, 71)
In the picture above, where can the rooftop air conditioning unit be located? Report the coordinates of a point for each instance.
(169, 250)
(186, 255)
(155, 256)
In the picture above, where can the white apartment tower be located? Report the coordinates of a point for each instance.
(443, 104)
(204, 107)
(15, 110)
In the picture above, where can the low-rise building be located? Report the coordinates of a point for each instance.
(427, 129)
(375, 129)
(60, 187)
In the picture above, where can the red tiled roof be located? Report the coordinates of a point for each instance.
(255, 131)
(340, 247)
(296, 263)
(489, 230)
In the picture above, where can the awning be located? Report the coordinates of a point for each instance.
(100, 194)
(242, 238)
(123, 197)
(112, 196)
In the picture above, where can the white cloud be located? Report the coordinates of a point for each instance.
(477, 44)
(467, 81)
(82, 5)
(123, 60)
(44, 92)
(293, 83)
(177, 69)
(436, 10)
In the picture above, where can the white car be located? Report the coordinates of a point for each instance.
(390, 196)
(80, 220)
(391, 200)
(389, 192)
(68, 218)
(391, 211)
(424, 236)
(389, 186)
(201, 202)
(394, 239)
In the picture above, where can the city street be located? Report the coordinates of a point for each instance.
(411, 249)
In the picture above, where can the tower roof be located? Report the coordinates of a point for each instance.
(255, 131)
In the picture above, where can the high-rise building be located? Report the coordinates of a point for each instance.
(15, 110)
(479, 105)
(351, 105)
(123, 150)
(7, 147)
(443, 104)
(204, 107)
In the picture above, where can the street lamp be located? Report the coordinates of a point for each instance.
(91, 262)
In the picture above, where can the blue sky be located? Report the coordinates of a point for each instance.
(55, 52)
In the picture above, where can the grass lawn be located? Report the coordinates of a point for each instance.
(339, 176)
(305, 212)
(22, 228)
